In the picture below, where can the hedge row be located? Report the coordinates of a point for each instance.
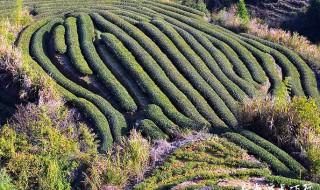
(146, 83)
(288, 182)
(285, 158)
(152, 69)
(74, 51)
(308, 79)
(150, 129)
(115, 119)
(212, 65)
(287, 68)
(220, 57)
(59, 41)
(166, 65)
(99, 121)
(86, 35)
(197, 63)
(247, 58)
(276, 165)
(154, 113)
(183, 64)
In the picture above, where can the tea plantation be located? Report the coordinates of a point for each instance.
(161, 68)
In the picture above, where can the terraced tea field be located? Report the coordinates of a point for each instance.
(161, 68)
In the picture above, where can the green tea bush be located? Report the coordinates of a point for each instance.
(73, 45)
(59, 41)
(150, 129)
(276, 165)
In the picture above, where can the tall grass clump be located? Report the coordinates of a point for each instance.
(6, 181)
(126, 164)
(290, 123)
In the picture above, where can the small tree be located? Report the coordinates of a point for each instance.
(242, 11)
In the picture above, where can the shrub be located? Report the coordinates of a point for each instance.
(127, 162)
(6, 181)
(74, 51)
(276, 165)
(150, 129)
(242, 11)
(59, 41)
(43, 146)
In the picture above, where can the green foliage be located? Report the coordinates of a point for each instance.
(117, 167)
(276, 165)
(73, 44)
(151, 130)
(6, 181)
(59, 41)
(242, 11)
(43, 146)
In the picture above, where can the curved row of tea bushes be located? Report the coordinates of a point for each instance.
(86, 34)
(101, 126)
(276, 165)
(197, 64)
(98, 120)
(74, 51)
(166, 65)
(308, 79)
(288, 182)
(247, 58)
(115, 119)
(232, 88)
(146, 83)
(183, 65)
(59, 41)
(286, 66)
(152, 69)
(150, 129)
(154, 113)
(285, 158)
